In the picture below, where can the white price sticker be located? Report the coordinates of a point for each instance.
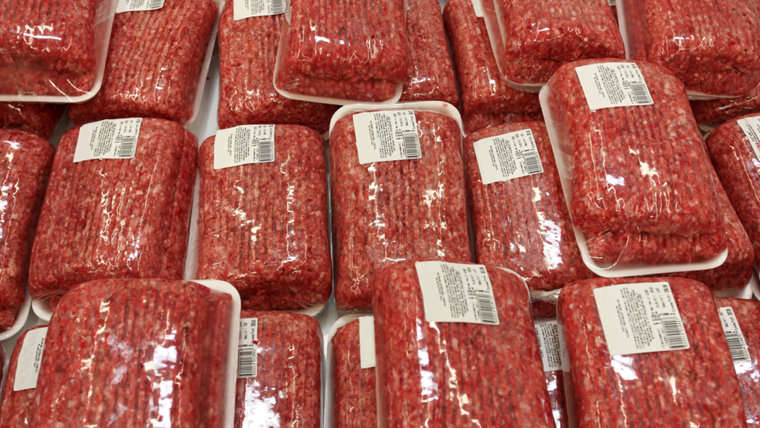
(751, 128)
(613, 84)
(383, 136)
(453, 292)
(244, 145)
(29, 359)
(639, 318)
(549, 343)
(248, 360)
(508, 156)
(734, 336)
(108, 139)
(138, 5)
(367, 342)
(250, 8)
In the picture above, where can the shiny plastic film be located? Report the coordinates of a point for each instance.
(710, 45)
(712, 113)
(354, 399)
(37, 118)
(263, 226)
(129, 217)
(616, 385)
(154, 62)
(475, 122)
(16, 406)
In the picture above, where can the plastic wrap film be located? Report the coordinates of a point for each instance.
(346, 49)
(385, 212)
(523, 223)
(16, 406)
(544, 309)
(154, 63)
(39, 119)
(535, 37)
(148, 352)
(456, 374)
(483, 90)
(475, 122)
(129, 219)
(710, 45)
(263, 226)
(431, 73)
(354, 398)
(642, 189)
(712, 113)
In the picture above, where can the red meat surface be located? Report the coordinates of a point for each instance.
(39, 119)
(16, 407)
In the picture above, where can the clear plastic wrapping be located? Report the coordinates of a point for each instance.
(39, 119)
(523, 223)
(475, 122)
(354, 399)
(16, 407)
(247, 56)
(696, 386)
(148, 352)
(456, 374)
(263, 227)
(287, 387)
(154, 62)
(116, 218)
(712, 113)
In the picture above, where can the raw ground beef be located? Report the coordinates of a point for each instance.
(475, 122)
(747, 313)
(147, 352)
(154, 63)
(538, 36)
(523, 224)
(627, 390)
(623, 248)
(263, 227)
(384, 212)
(431, 74)
(456, 374)
(16, 407)
(287, 388)
(555, 385)
(712, 113)
(37, 118)
(130, 217)
(247, 56)
(710, 45)
(25, 161)
(47, 47)
(347, 49)
(354, 398)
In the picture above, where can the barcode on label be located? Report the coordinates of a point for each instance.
(126, 146)
(486, 308)
(533, 165)
(673, 331)
(247, 362)
(266, 151)
(736, 346)
(640, 93)
(156, 4)
(278, 7)
(412, 146)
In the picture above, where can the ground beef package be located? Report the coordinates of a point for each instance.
(344, 50)
(17, 406)
(456, 374)
(116, 218)
(263, 226)
(147, 352)
(37, 118)
(354, 401)
(522, 223)
(247, 56)
(710, 45)
(384, 212)
(712, 113)
(286, 388)
(694, 385)
(154, 63)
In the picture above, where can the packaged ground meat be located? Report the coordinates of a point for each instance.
(16, 407)
(263, 227)
(475, 122)
(532, 38)
(711, 113)
(639, 348)
(406, 200)
(25, 161)
(37, 118)
(550, 345)
(462, 373)
(710, 45)
(247, 56)
(148, 352)
(341, 51)
(519, 216)
(154, 63)
(431, 73)
(130, 216)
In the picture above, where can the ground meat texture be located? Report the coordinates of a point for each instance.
(263, 227)
(712, 113)
(37, 118)
(523, 224)
(132, 336)
(348, 49)
(287, 388)
(456, 374)
(247, 56)
(475, 122)
(129, 219)
(431, 74)
(47, 47)
(154, 63)
(355, 401)
(16, 407)
(483, 90)
(555, 386)
(606, 148)
(385, 212)
(626, 391)
(538, 36)
(710, 45)
(623, 248)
